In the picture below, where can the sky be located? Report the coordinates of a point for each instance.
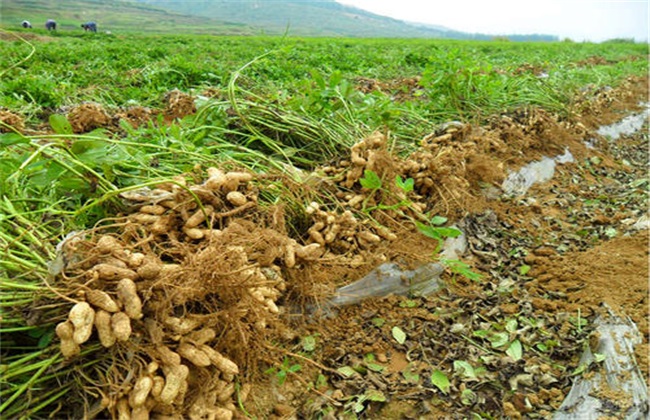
(579, 20)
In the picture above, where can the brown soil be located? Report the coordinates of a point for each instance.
(614, 272)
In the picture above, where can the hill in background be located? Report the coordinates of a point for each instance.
(324, 18)
(113, 15)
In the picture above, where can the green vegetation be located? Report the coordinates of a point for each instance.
(455, 80)
(263, 103)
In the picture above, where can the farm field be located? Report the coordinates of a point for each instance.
(177, 213)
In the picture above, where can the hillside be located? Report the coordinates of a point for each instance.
(321, 18)
(113, 15)
(301, 17)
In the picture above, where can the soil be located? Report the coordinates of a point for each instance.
(548, 262)
(575, 235)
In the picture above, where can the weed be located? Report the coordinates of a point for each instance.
(578, 322)
(309, 343)
(371, 181)
(281, 372)
(461, 268)
(435, 230)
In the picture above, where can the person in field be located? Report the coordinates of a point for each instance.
(26, 24)
(89, 26)
(50, 25)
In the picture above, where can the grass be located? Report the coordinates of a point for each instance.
(275, 103)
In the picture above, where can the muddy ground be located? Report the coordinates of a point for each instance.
(508, 340)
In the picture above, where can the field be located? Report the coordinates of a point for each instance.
(178, 214)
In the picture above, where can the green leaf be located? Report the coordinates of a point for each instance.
(408, 303)
(45, 340)
(410, 375)
(441, 381)
(467, 397)
(375, 395)
(515, 350)
(598, 357)
(375, 367)
(282, 376)
(399, 335)
(358, 406)
(346, 371)
(428, 231)
(498, 339)
(581, 368)
(321, 381)
(378, 322)
(481, 333)
(447, 232)
(175, 131)
(370, 180)
(405, 185)
(60, 124)
(511, 325)
(464, 368)
(459, 267)
(438, 220)
(309, 343)
(7, 139)
(524, 269)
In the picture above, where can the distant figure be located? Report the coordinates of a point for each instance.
(89, 26)
(26, 24)
(50, 25)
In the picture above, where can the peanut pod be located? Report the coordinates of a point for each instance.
(64, 331)
(110, 272)
(175, 379)
(127, 293)
(121, 325)
(138, 396)
(194, 355)
(222, 363)
(198, 217)
(101, 300)
(82, 316)
(104, 329)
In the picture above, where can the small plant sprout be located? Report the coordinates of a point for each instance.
(410, 374)
(309, 343)
(373, 182)
(281, 372)
(578, 322)
(435, 230)
(461, 268)
(369, 361)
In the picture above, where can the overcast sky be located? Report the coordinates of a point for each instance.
(580, 20)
